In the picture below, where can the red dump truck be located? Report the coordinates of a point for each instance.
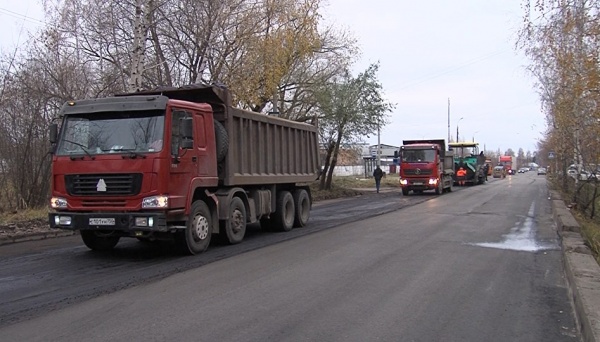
(178, 164)
(425, 165)
(509, 163)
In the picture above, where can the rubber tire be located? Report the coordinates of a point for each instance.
(302, 206)
(233, 230)
(196, 237)
(440, 188)
(97, 242)
(222, 141)
(451, 188)
(285, 210)
(405, 192)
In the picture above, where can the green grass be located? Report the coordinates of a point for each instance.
(590, 231)
(590, 228)
(24, 215)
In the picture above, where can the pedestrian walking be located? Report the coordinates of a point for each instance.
(377, 174)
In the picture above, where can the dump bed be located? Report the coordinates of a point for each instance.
(265, 150)
(262, 149)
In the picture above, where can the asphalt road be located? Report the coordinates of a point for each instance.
(479, 264)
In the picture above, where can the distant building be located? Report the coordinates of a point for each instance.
(387, 153)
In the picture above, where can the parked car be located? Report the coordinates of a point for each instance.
(523, 170)
(541, 171)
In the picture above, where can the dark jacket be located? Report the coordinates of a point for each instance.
(378, 173)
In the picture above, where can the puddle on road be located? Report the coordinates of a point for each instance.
(521, 237)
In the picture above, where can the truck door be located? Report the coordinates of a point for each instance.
(183, 160)
(204, 133)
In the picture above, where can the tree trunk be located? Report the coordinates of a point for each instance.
(336, 150)
(329, 152)
(142, 17)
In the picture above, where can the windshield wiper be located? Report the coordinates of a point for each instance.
(83, 148)
(130, 153)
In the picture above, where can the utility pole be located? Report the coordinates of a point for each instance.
(449, 120)
(378, 146)
(457, 138)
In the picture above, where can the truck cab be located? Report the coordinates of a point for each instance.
(424, 165)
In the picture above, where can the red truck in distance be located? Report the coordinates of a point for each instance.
(509, 163)
(178, 164)
(425, 165)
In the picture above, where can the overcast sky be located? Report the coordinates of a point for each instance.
(432, 51)
(429, 52)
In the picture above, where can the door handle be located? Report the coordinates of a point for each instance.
(194, 159)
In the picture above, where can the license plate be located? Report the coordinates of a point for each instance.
(417, 183)
(102, 221)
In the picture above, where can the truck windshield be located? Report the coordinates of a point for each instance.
(112, 132)
(418, 156)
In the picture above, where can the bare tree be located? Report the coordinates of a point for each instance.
(271, 54)
(351, 107)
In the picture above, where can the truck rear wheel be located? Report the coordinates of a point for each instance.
(196, 236)
(234, 229)
(97, 241)
(285, 212)
(302, 205)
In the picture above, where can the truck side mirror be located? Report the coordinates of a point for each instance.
(53, 137)
(53, 133)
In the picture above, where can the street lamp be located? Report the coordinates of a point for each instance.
(457, 128)
(378, 145)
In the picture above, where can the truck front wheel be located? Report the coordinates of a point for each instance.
(97, 241)
(405, 192)
(196, 237)
(285, 211)
(234, 229)
(440, 188)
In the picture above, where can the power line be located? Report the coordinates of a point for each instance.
(21, 16)
(452, 69)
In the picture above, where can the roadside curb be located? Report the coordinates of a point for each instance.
(582, 270)
(23, 237)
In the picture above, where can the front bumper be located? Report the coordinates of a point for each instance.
(418, 184)
(126, 222)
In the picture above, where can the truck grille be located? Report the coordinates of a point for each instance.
(104, 184)
(103, 203)
(417, 172)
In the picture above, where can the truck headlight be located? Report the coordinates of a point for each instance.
(58, 203)
(62, 220)
(155, 202)
(433, 181)
(403, 182)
